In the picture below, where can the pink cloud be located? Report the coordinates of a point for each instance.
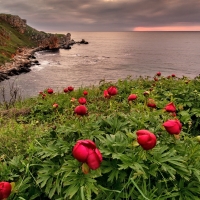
(168, 28)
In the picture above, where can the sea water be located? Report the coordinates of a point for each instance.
(112, 56)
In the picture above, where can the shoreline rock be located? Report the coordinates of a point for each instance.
(20, 63)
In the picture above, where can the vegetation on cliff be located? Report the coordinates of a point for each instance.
(16, 34)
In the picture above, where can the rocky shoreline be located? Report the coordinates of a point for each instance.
(20, 63)
(24, 59)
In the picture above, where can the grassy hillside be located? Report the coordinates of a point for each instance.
(16, 40)
(15, 34)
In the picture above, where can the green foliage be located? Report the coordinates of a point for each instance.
(36, 150)
(15, 41)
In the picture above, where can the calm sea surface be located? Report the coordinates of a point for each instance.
(112, 56)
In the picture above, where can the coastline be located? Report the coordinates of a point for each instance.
(20, 63)
(24, 59)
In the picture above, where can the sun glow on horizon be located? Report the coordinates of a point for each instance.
(168, 28)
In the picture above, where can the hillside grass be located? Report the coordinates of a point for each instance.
(16, 41)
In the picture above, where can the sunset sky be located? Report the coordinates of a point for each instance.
(106, 15)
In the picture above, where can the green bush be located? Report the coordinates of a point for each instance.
(44, 168)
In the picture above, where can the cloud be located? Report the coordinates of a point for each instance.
(103, 15)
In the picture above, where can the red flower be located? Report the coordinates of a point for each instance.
(173, 75)
(170, 107)
(132, 97)
(55, 105)
(155, 79)
(85, 92)
(81, 149)
(158, 73)
(94, 158)
(105, 94)
(70, 88)
(112, 90)
(173, 126)
(80, 110)
(65, 90)
(73, 99)
(50, 90)
(82, 100)
(5, 190)
(173, 114)
(146, 93)
(151, 103)
(146, 139)
(86, 151)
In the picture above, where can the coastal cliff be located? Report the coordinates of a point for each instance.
(19, 41)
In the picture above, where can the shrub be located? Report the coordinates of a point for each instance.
(169, 169)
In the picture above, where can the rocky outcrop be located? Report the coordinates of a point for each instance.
(66, 42)
(40, 38)
(83, 42)
(21, 63)
(15, 21)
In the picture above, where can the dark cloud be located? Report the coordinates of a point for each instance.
(103, 15)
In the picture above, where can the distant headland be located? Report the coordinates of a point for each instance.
(19, 42)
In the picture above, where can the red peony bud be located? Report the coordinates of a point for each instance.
(65, 90)
(151, 103)
(80, 110)
(170, 107)
(173, 75)
(80, 151)
(5, 190)
(158, 74)
(73, 99)
(112, 90)
(86, 151)
(55, 105)
(155, 79)
(49, 90)
(173, 114)
(146, 93)
(94, 158)
(173, 126)
(132, 97)
(105, 94)
(85, 92)
(82, 100)
(146, 139)
(70, 88)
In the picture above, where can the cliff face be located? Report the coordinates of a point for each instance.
(15, 34)
(15, 21)
(19, 41)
